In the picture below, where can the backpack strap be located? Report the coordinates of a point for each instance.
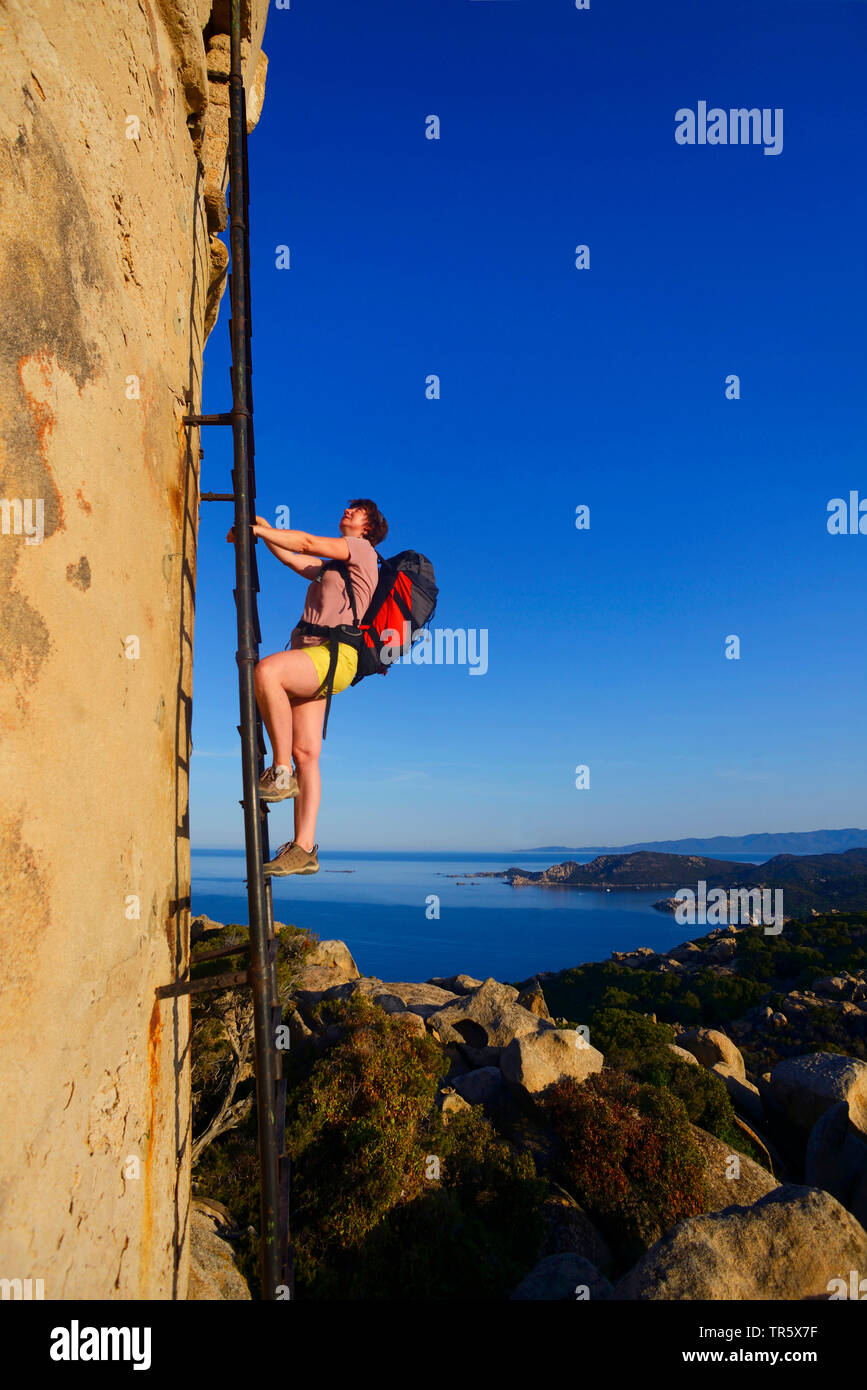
(343, 570)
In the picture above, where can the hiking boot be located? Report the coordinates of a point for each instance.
(292, 859)
(278, 783)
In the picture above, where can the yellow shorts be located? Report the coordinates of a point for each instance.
(344, 671)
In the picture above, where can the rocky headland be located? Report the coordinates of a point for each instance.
(810, 883)
(759, 1124)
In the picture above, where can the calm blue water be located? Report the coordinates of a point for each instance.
(484, 928)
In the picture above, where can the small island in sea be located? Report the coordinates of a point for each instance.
(810, 882)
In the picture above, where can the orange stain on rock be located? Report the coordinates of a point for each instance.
(83, 502)
(44, 419)
(155, 1029)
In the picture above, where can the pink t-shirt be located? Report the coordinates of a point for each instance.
(327, 602)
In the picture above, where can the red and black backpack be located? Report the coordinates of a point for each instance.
(404, 601)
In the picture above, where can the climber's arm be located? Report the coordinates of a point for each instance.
(305, 565)
(301, 542)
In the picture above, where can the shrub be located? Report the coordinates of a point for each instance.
(626, 1038)
(472, 1234)
(641, 1047)
(222, 1040)
(627, 1154)
(370, 1220)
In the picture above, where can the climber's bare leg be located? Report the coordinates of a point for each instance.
(278, 679)
(307, 719)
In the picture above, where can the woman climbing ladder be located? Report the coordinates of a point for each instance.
(290, 685)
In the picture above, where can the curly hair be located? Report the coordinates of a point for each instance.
(377, 526)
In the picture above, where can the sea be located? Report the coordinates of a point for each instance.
(411, 916)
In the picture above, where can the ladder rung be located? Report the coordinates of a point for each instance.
(217, 955)
(230, 981)
(217, 497)
(224, 419)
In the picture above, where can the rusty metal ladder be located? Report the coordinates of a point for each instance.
(276, 1256)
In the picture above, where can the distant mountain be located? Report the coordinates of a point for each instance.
(819, 882)
(785, 842)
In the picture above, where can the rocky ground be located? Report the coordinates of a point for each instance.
(784, 1227)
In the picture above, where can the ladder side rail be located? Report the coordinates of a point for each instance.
(271, 1262)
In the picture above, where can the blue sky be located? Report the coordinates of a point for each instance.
(560, 387)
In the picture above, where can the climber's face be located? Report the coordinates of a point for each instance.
(353, 521)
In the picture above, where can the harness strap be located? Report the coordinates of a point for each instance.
(350, 636)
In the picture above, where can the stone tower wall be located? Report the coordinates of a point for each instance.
(113, 130)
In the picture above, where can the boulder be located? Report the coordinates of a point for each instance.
(456, 984)
(770, 1156)
(723, 951)
(531, 1064)
(569, 1230)
(199, 926)
(413, 1022)
(213, 1273)
(744, 1095)
(533, 999)
(844, 985)
(389, 1003)
(805, 1087)
(421, 999)
(451, 1103)
(682, 1053)
(752, 1181)
(329, 963)
(788, 1245)
(837, 1159)
(487, 1017)
(711, 1046)
(299, 1033)
(394, 998)
(485, 1086)
(688, 952)
(458, 1065)
(563, 1278)
(476, 1057)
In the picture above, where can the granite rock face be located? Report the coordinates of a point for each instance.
(110, 279)
(214, 1276)
(737, 1253)
(805, 1087)
(531, 1064)
(713, 1049)
(488, 1016)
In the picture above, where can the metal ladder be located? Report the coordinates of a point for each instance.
(276, 1263)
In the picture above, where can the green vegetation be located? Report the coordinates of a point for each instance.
(819, 1030)
(805, 951)
(702, 998)
(640, 1047)
(628, 1155)
(387, 1201)
(222, 1032)
(802, 952)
